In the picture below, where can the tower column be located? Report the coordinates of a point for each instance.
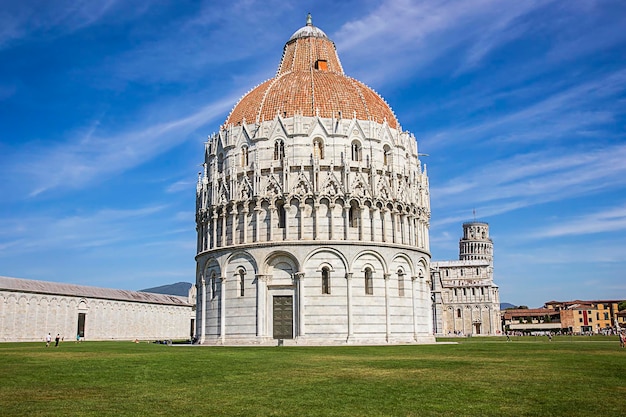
(300, 289)
(349, 305)
(203, 314)
(346, 221)
(214, 229)
(234, 221)
(383, 220)
(373, 215)
(414, 306)
(387, 308)
(272, 214)
(223, 309)
(245, 223)
(331, 207)
(287, 209)
(261, 304)
(223, 221)
(316, 216)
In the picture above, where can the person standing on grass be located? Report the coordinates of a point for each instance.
(56, 340)
(48, 339)
(622, 339)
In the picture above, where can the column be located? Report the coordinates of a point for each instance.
(346, 221)
(373, 217)
(300, 288)
(272, 214)
(214, 229)
(233, 224)
(316, 216)
(256, 226)
(261, 304)
(245, 223)
(301, 207)
(287, 208)
(413, 279)
(223, 309)
(331, 207)
(387, 308)
(384, 223)
(349, 305)
(223, 220)
(361, 221)
(394, 221)
(203, 316)
(429, 303)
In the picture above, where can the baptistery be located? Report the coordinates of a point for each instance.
(312, 213)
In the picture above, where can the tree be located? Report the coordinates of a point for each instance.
(525, 307)
(622, 306)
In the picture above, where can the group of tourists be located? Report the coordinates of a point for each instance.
(57, 339)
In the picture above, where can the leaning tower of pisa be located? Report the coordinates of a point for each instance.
(312, 213)
(476, 243)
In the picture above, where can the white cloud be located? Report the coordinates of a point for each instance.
(607, 220)
(23, 19)
(87, 158)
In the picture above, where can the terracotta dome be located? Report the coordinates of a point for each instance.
(310, 82)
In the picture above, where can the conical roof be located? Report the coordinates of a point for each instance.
(310, 81)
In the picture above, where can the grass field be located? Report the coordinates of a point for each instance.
(530, 376)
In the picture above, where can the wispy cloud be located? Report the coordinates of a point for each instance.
(532, 179)
(422, 32)
(609, 220)
(91, 156)
(105, 227)
(21, 20)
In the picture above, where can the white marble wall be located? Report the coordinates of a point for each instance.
(29, 317)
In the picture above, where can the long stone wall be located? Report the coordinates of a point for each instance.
(28, 317)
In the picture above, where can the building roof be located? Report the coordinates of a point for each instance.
(528, 312)
(310, 82)
(58, 288)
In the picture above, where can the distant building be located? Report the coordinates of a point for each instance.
(577, 317)
(30, 309)
(531, 320)
(586, 316)
(465, 299)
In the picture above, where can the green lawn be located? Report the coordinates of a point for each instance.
(530, 376)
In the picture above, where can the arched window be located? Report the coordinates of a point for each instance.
(242, 274)
(354, 215)
(318, 148)
(244, 156)
(213, 284)
(458, 312)
(279, 150)
(400, 283)
(325, 280)
(220, 162)
(280, 210)
(356, 151)
(387, 155)
(369, 282)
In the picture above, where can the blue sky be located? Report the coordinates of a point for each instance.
(521, 105)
